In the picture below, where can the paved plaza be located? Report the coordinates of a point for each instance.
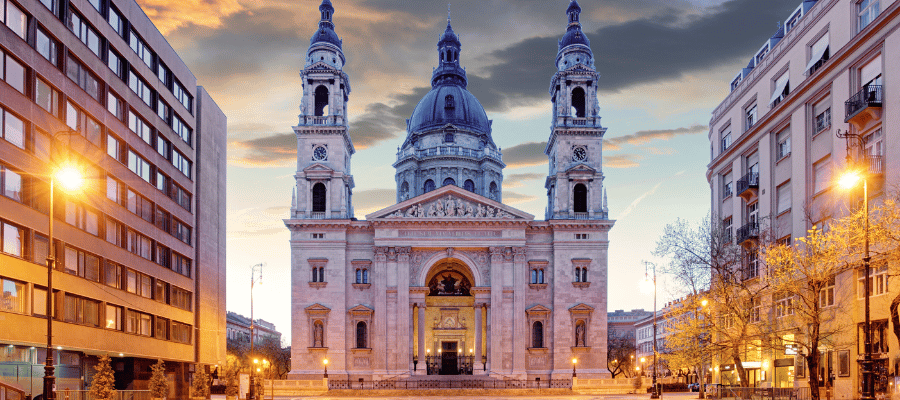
(362, 396)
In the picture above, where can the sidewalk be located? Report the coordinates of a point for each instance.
(672, 396)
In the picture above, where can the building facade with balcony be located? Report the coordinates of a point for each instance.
(140, 249)
(237, 327)
(775, 154)
(449, 280)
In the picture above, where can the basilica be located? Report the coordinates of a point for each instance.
(449, 280)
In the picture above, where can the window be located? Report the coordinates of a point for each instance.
(822, 176)
(162, 72)
(115, 63)
(449, 137)
(139, 205)
(181, 298)
(493, 192)
(726, 140)
(737, 81)
(537, 335)
(793, 20)
(162, 110)
(87, 34)
(727, 186)
(139, 244)
(783, 192)
(183, 97)
(85, 265)
(449, 182)
(449, 103)
(141, 49)
(181, 264)
(83, 123)
(181, 231)
(82, 217)
(41, 147)
(162, 182)
(751, 264)
(318, 236)
(162, 328)
(16, 19)
(139, 165)
(161, 291)
(582, 236)
(878, 331)
(137, 322)
(180, 333)
(162, 219)
(784, 304)
(82, 77)
(818, 54)
(750, 116)
(14, 73)
(318, 197)
(537, 275)
(47, 46)
(182, 197)
(726, 228)
(782, 88)
(163, 256)
(80, 310)
(40, 249)
(755, 309)
(140, 127)
(361, 335)
(868, 10)
(163, 146)
(13, 239)
(112, 274)
(581, 274)
(429, 186)
(823, 120)
(182, 163)
(11, 184)
(878, 282)
(580, 198)
(140, 88)
(116, 21)
(874, 144)
(783, 144)
(826, 294)
(761, 54)
(46, 96)
(13, 129)
(113, 317)
(318, 274)
(113, 147)
(469, 185)
(115, 105)
(362, 275)
(181, 129)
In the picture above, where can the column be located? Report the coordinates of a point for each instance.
(477, 361)
(521, 331)
(379, 320)
(423, 362)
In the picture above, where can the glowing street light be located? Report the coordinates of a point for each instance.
(325, 363)
(574, 363)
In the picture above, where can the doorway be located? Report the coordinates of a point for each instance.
(449, 358)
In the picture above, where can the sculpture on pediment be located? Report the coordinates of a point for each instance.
(451, 207)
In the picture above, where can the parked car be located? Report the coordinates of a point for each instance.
(694, 387)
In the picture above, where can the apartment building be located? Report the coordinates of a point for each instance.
(775, 153)
(621, 323)
(140, 249)
(237, 327)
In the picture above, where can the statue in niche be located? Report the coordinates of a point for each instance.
(318, 335)
(579, 334)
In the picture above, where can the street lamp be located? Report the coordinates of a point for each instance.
(574, 362)
(646, 284)
(703, 304)
(253, 280)
(848, 181)
(71, 180)
(325, 363)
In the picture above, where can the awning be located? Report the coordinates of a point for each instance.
(817, 52)
(780, 84)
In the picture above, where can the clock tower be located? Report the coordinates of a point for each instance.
(324, 184)
(575, 148)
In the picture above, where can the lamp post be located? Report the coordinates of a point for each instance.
(654, 394)
(70, 178)
(849, 181)
(702, 390)
(325, 363)
(574, 362)
(253, 280)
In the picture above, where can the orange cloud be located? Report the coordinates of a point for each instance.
(169, 15)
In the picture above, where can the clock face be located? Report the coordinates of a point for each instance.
(579, 154)
(320, 153)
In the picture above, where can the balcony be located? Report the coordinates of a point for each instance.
(748, 186)
(330, 120)
(449, 151)
(750, 231)
(574, 122)
(876, 164)
(865, 105)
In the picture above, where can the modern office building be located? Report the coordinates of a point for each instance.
(140, 248)
(830, 69)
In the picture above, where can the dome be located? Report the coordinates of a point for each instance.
(574, 36)
(437, 109)
(574, 7)
(325, 35)
(449, 37)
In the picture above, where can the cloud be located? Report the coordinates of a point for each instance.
(644, 137)
(383, 121)
(637, 201)
(621, 161)
(661, 151)
(516, 198)
(525, 155)
(168, 15)
(278, 150)
(518, 180)
(371, 200)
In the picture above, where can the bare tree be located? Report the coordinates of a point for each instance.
(620, 353)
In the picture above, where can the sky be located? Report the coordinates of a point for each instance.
(664, 65)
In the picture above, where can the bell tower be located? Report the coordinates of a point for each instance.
(575, 148)
(324, 184)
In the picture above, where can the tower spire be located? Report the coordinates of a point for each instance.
(448, 14)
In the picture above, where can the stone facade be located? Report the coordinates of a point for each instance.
(449, 280)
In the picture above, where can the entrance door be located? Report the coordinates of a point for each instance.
(449, 359)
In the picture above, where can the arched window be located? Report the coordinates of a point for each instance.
(321, 274)
(449, 181)
(321, 101)
(580, 198)
(361, 333)
(359, 275)
(449, 102)
(404, 191)
(429, 186)
(318, 197)
(365, 275)
(469, 185)
(537, 334)
(492, 191)
(315, 274)
(577, 274)
(578, 102)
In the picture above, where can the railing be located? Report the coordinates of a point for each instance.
(751, 180)
(747, 232)
(869, 96)
(86, 395)
(876, 164)
(317, 120)
(317, 215)
(451, 151)
(579, 122)
(743, 393)
(451, 384)
(463, 365)
(582, 215)
(8, 392)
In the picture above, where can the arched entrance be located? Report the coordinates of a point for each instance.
(449, 323)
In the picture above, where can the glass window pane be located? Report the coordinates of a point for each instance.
(14, 130)
(15, 19)
(13, 240)
(12, 186)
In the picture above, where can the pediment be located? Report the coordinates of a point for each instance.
(582, 168)
(317, 309)
(321, 66)
(317, 167)
(538, 309)
(581, 309)
(361, 310)
(450, 203)
(580, 68)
